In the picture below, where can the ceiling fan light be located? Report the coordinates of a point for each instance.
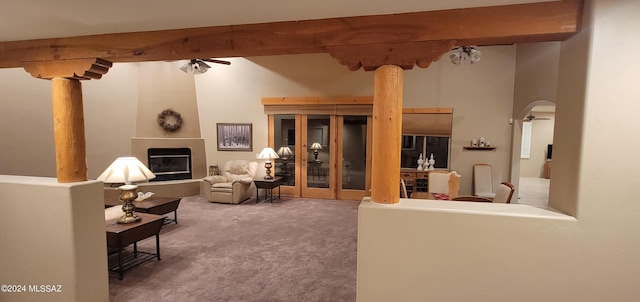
(463, 54)
(200, 67)
(474, 55)
(186, 68)
(455, 58)
(199, 70)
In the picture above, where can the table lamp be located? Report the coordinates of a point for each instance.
(315, 147)
(127, 170)
(268, 154)
(284, 151)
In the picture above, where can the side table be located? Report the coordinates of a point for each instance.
(158, 205)
(268, 185)
(119, 236)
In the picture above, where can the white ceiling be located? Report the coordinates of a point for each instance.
(35, 19)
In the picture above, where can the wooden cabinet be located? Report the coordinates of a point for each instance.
(547, 169)
(417, 181)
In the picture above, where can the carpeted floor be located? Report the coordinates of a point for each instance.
(295, 249)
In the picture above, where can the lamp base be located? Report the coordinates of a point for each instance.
(127, 196)
(128, 219)
(267, 166)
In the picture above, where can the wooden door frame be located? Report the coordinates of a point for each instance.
(347, 194)
(305, 191)
(294, 190)
(334, 107)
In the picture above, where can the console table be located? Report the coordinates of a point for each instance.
(119, 236)
(268, 185)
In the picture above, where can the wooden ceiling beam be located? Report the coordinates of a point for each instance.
(545, 21)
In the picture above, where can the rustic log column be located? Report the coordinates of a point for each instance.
(68, 130)
(387, 131)
(68, 113)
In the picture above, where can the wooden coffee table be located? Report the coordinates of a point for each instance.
(119, 236)
(158, 205)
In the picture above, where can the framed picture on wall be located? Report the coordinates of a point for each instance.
(234, 137)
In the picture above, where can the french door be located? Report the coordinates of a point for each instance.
(322, 155)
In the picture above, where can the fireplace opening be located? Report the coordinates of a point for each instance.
(170, 163)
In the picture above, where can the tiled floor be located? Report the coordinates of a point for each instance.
(534, 191)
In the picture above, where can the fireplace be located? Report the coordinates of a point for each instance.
(170, 163)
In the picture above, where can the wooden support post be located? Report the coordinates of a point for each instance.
(68, 130)
(387, 132)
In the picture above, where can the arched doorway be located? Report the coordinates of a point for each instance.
(531, 152)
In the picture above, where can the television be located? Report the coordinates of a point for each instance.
(549, 150)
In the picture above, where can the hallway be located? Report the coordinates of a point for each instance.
(534, 191)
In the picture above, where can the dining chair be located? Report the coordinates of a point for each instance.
(503, 195)
(403, 187)
(444, 182)
(482, 181)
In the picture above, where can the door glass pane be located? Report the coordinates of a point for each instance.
(354, 161)
(318, 151)
(285, 145)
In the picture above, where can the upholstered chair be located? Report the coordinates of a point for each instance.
(234, 186)
(482, 181)
(444, 182)
(504, 193)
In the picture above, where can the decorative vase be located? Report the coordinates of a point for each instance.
(420, 162)
(432, 162)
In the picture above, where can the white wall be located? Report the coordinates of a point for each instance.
(163, 86)
(26, 121)
(455, 251)
(481, 96)
(26, 125)
(110, 109)
(53, 234)
(232, 94)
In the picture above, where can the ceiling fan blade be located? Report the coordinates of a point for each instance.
(529, 118)
(204, 64)
(217, 61)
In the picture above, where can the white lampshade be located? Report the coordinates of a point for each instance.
(316, 146)
(126, 170)
(267, 153)
(285, 151)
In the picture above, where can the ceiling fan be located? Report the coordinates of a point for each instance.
(198, 66)
(532, 117)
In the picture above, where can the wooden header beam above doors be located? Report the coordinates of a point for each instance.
(348, 105)
(367, 41)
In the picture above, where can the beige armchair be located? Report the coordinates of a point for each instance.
(234, 186)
